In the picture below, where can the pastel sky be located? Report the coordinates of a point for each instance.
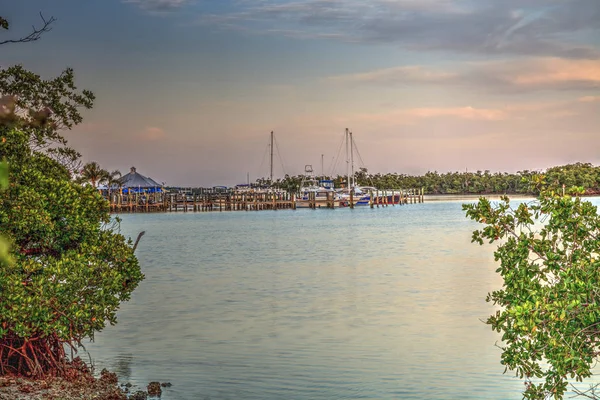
(189, 90)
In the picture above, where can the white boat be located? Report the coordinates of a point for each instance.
(321, 193)
(361, 195)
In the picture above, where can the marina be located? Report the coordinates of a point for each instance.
(138, 193)
(209, 199)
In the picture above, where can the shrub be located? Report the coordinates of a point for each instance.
(71, 269)
(549, 314)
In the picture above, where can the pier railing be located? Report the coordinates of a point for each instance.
(200, 201)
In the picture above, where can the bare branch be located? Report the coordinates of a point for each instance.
(34, 35)
(590, 393)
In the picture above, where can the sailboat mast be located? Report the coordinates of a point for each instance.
(347, 161)
(322, 172)
(271, 157)
(352, 158)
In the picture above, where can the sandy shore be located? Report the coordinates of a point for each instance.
(472, 197)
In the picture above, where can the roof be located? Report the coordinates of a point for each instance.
(135, 179)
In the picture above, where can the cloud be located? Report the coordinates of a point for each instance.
(589, 99)
(151, 134)
(159, 5)
(535, 27)
(459, 112)
(511, 113)
(530, 74)
(411, 73)
(412, 116)
(545, 73)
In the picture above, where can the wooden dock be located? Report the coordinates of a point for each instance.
(245, 201)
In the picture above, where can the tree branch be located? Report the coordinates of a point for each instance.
(34, 35)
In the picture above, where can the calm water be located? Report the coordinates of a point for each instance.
(326, 304)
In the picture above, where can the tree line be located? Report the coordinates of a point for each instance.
(584, 175)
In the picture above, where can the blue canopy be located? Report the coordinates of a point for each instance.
(142, 190)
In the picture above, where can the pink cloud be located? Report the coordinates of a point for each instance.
(552, 71)
(511, 112)
(410, 116)
(589, 99)
(539, 73)
(459, 112)
(151, 134)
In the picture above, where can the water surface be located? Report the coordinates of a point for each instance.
(381, 303)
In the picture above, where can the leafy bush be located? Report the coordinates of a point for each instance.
(70, 272)
(64, 270)
(549, 314)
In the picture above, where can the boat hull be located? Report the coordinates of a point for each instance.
(319, 203)
(365, 200)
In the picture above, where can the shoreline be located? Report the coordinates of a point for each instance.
(490, 196)
(79, 382)
(474, 197)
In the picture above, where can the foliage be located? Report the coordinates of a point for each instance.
(70, 273)
(115, 178)
(71, 269)
(42, 108)
(92, 172)
(478, 182)
(549, 312)
(5, 257)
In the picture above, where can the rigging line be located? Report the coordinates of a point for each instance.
(358, 152)
(263, 161)
(279, 155)
(361, 160)
(334, 165)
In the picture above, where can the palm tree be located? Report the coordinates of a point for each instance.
(114, 179)
(92, 172)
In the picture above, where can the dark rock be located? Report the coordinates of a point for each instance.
(108, 377)
(166, 384)
(154, 389)
(139, 395)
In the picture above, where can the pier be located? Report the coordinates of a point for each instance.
(209, 200)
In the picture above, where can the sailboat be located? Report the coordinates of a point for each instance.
(265, 186)
(361, 195)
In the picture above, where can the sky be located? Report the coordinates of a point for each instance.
(188, 91)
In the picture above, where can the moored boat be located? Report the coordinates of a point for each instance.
(316, 193)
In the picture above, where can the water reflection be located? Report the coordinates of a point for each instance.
(122, 366)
